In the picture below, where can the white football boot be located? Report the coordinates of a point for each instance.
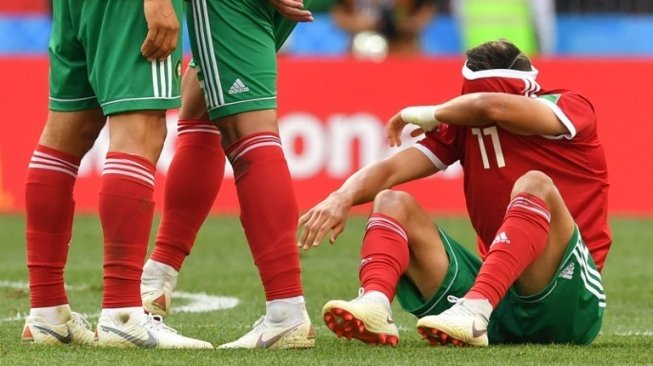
(296, 331)
(74, 330)
(367, 318)
(139, 329)
(463, 324)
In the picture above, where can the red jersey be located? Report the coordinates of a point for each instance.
(493, 158)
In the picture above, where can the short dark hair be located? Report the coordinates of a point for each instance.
(499, 54)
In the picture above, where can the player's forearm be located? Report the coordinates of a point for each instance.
(475, 110)
(471, 110)
(515, 113)
(364, 185)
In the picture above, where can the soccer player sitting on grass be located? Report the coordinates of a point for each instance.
(535, 182)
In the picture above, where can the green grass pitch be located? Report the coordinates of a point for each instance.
(221, 266)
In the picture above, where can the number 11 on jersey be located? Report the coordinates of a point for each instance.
(496, 145)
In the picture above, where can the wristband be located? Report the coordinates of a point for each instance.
(422, 116)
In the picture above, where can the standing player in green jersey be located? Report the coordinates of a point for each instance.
(116, 59)
(234, 46)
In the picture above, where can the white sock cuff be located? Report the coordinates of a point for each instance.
(297, 300)
(162, 267)
(57, 314)
(376, 295)
(113, 312)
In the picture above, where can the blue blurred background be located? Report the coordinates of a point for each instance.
(582, 28)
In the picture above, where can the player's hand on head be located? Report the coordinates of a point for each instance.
(293, 10)
(162, 29)
(328, 215)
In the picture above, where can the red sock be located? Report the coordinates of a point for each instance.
(126, 211)
(268, 212)
(384, 255)
(193, 182)
(49, 209)
(519, 241)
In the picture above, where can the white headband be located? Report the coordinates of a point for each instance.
(501, 73)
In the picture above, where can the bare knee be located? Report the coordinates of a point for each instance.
(72, 132)
(142, 133)
(240, 125)
(395, 204)
(536, 183)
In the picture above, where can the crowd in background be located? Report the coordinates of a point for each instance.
(380, 27)
(564, 6)
(376, 28)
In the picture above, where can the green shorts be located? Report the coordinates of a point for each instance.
(569, 310)
(95, 59)
(235, 44)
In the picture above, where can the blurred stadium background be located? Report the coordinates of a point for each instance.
(332, 106)
(584, 27)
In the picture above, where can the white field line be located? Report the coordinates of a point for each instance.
(191, 302)
(19, 285)
(635, 333)
(201, 302)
